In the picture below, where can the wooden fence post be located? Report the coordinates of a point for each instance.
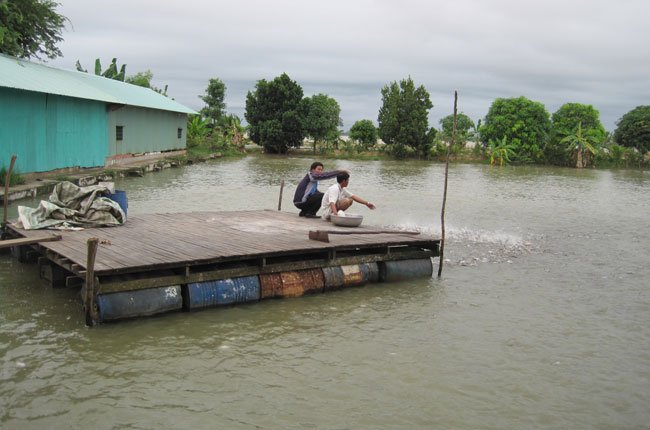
(5, 199)
(280, 199)
(90, 307)
(444, 195)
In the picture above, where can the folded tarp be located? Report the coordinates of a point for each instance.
(73, 206)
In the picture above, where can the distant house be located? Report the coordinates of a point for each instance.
(53, 119)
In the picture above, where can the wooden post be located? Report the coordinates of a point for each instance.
(280, 199)
(6, 196)
(444, 195)
(90, 307)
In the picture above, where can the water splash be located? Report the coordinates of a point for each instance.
(471, 247)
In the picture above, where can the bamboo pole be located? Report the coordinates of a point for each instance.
(90, 308)
(5, 198)
(280, 199)
(444, 195)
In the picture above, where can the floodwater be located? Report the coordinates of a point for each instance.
(541, 319)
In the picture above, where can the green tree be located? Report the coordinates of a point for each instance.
(214, 100)
(364, 132)
(524, 123)
(564, 123)
(464, 128)
(274, 116)
(404, 118)
(143, 79)
(321, 117)
(633, 129)
(30, 28)
(580, 146)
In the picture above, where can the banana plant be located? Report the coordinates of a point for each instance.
(197, 130)
(580, 146)
(500, 152)
(111, 72)
(235, 131)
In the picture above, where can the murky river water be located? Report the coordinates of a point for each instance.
(540, 320)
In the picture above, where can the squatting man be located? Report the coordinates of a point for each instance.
(307, 197)
(337, 198)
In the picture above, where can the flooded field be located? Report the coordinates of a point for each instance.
(541, 318)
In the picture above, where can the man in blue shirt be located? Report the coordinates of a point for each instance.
(307, 197)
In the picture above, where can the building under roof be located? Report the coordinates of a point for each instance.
(52, 118)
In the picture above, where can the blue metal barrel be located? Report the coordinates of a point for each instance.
(390, 271)
(137, 303)
(222, 292)
(120, 198)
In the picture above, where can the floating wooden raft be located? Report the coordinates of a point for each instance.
(181, 256)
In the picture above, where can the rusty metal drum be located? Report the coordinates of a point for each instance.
(292, 283)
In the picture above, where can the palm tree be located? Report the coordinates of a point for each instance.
(580, 146)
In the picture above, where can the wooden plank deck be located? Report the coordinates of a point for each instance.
(155, 242)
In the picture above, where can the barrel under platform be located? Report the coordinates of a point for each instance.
(201, 259)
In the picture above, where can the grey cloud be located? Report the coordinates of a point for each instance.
(552, 52)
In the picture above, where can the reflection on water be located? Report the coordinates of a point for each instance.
(541, 318)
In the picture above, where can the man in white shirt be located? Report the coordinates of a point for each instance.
(338, 198)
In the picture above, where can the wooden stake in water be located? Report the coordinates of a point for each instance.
(90, 306)
(444, 195)
(280, 199)
(5, 198)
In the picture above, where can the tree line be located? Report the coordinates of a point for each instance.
(515, 130)
(280, 117)
(519, 130)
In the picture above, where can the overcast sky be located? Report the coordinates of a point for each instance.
(554, 52)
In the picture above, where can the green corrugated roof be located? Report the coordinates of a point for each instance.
(25, 75)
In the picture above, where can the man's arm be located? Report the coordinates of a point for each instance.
(327, 175)
(363, 202)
